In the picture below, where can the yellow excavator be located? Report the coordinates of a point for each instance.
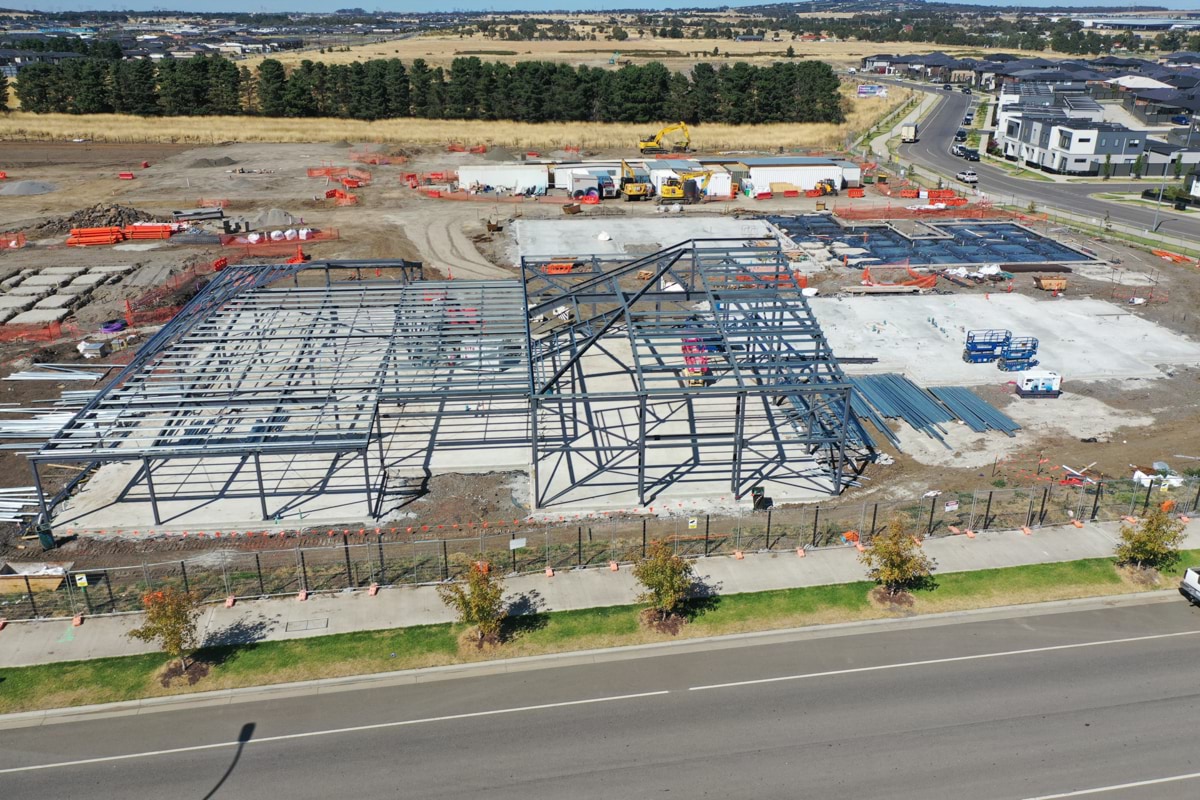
(675, 190)
(632, 187)
(655, 144)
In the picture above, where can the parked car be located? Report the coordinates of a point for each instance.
(1180, 119)
(970, 154)
(967, 176)
(1189, 587)
(961, 136)
(968, 122)
(966, 90)
(957, 150)
(947, 87)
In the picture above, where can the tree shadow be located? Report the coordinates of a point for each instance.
(238, 637)
(703, 598)
(526, 614)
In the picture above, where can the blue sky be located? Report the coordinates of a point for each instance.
(471, 5)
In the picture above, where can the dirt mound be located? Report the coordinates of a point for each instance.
(100, 215)
(223, 161)
(17, 188)
(273, 218)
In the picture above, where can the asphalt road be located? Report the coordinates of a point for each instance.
(1050, 705)
(932, 150)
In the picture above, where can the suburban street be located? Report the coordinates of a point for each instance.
(932, 150)
(1072, 703)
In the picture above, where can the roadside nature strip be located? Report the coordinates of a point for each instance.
(132, 677)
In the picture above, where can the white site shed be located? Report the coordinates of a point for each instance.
(515, 178)
(803, 173)
(851, 173)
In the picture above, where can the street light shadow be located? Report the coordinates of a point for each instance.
(244, 736)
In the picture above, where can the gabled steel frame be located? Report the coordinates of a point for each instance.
(737, 302)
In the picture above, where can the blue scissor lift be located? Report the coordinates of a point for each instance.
(984, 346)
(1018, 354)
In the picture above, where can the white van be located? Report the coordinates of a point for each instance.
(1189, 587)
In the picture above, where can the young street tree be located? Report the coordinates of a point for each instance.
(478, 601)
(894, 558)
(1153, 543)
(667, 577)
(171, 619)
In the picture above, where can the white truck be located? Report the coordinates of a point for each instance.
(580, 182)
(908, 132)
(1189, 587)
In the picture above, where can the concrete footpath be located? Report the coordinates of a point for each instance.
(39, 642)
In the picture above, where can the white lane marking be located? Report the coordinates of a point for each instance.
(331, 732)
(950, 660)
(1116, 787)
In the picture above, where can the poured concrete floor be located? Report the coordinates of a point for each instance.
(923, 336)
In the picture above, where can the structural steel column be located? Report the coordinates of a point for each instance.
(367, 481)
(533, 439)
(642, 449)
(262, 492)
(150, 486)
(735, 481)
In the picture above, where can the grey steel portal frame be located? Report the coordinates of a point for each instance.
(702, 319)
(301, 359)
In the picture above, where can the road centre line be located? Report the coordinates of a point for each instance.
(331, 732)
(950, 660)
(1116, 787)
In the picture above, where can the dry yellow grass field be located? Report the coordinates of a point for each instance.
(440, 50)
(863, 113)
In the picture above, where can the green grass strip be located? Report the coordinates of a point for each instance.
(106, 680)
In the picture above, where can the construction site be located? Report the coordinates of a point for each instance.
(252, 339)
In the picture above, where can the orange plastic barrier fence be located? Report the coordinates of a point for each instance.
(205, 202)
(914, 279)
(11, 241)
(327, 172)
(359, 174)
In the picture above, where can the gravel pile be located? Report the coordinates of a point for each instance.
(21, 188)
(98, 216)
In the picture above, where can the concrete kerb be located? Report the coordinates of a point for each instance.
(575, 658)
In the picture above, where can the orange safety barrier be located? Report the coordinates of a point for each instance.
(3, 176)
(126, 176)
(909, 194)
(914, 279)
(205, 202)
(479, 149)
(807, 193)
(590, 200)
(11, 241)
(856, 191)
(455, 147)
(763, 196)
(351, 183)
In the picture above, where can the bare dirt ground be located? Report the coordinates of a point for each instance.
(1133, 422)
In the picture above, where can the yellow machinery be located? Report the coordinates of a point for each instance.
(655, 143)
(633, 188)
(674, 190)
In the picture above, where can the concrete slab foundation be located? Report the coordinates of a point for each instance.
(923, 336)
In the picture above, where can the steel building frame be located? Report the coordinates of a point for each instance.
(254, 367)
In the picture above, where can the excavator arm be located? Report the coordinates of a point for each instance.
(654, 144)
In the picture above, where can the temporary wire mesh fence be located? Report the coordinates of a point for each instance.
(357, 560)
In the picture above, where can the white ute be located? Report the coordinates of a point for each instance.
(1189, 587)
(968, 176)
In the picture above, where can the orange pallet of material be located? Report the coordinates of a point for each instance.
(11, 241)
(126, 176)
(559, 268)
(149, 231)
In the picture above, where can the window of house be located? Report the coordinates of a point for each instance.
(1135, 142)
(1088, 140)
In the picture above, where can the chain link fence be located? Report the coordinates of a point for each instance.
(358, 561)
